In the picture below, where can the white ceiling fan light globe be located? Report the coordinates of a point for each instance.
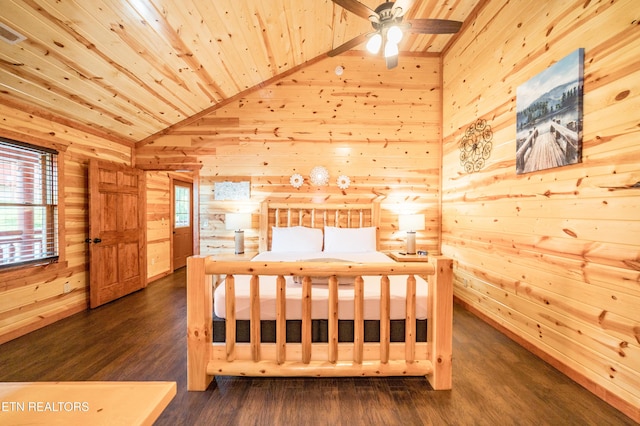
(394, 34)
(390, 49)
(374, 43)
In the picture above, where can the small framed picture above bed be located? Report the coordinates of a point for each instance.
(232, 191)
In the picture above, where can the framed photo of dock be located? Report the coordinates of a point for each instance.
(549, 116)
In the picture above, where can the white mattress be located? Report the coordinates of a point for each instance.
(319, 293)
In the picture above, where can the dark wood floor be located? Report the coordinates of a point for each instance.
(142, 337)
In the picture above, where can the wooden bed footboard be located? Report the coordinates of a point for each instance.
(206, 359)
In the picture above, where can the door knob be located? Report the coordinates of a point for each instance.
(97, 240)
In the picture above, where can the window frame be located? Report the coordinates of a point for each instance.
(23, 269)
(188, 187)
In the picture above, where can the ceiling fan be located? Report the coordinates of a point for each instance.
(388, 27)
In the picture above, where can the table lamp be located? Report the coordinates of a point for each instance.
(238, 222)
(411, 223)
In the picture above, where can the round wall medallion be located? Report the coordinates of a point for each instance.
(319, 176)
(296, 180)
(475, 146)
(343, 182)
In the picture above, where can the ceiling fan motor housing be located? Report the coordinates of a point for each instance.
(386, 16)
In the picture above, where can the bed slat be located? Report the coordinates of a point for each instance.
(410, 321)
(230, 305)
(281, 320)
(306, 320)
(254, 337)
(333, 319)
(358, 323)
(385, 318)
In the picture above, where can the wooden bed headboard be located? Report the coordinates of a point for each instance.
(315, 215)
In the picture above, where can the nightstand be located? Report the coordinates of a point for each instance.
(399, 257)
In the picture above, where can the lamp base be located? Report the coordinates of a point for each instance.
(411, 242)
(239, 240)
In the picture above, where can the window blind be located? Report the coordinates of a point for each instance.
(28, 204)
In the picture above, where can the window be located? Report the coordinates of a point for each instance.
(28, 204)
(182, 206)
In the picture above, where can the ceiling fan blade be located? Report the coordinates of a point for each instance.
(349, 44)
(356, 8)
(391, 61)
(404, 6)
(434, 26)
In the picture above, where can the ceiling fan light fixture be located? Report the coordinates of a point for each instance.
(374, 43)
(388, 27)
(394, 34)
(390, 49)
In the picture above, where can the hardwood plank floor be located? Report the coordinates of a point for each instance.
(143, 337)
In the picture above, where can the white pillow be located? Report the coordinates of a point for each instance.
(351, 240)
(296, 239)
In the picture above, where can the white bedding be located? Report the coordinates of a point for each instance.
(319, 293)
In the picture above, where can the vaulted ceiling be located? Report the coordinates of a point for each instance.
(131, 68)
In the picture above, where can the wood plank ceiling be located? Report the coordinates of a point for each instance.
(131, 68)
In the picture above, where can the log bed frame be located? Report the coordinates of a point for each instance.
(206, 359)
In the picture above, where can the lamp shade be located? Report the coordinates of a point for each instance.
(394, 34)
(390, 49)
(237, 220)
(374, 43)
(411, 222)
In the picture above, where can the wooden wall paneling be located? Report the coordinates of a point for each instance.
(552, 287)
(531, 248)
(158, 224)
(381, 131)
(38, 299)
(554, 255)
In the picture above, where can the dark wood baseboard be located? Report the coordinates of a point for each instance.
(611, 399)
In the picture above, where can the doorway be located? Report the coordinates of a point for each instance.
(182, 222)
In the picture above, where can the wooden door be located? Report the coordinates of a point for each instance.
(182, 223)
(117, 232)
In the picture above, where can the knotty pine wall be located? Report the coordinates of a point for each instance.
(33, 298)
(158, 224)
(552, 257)
(380, 128)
